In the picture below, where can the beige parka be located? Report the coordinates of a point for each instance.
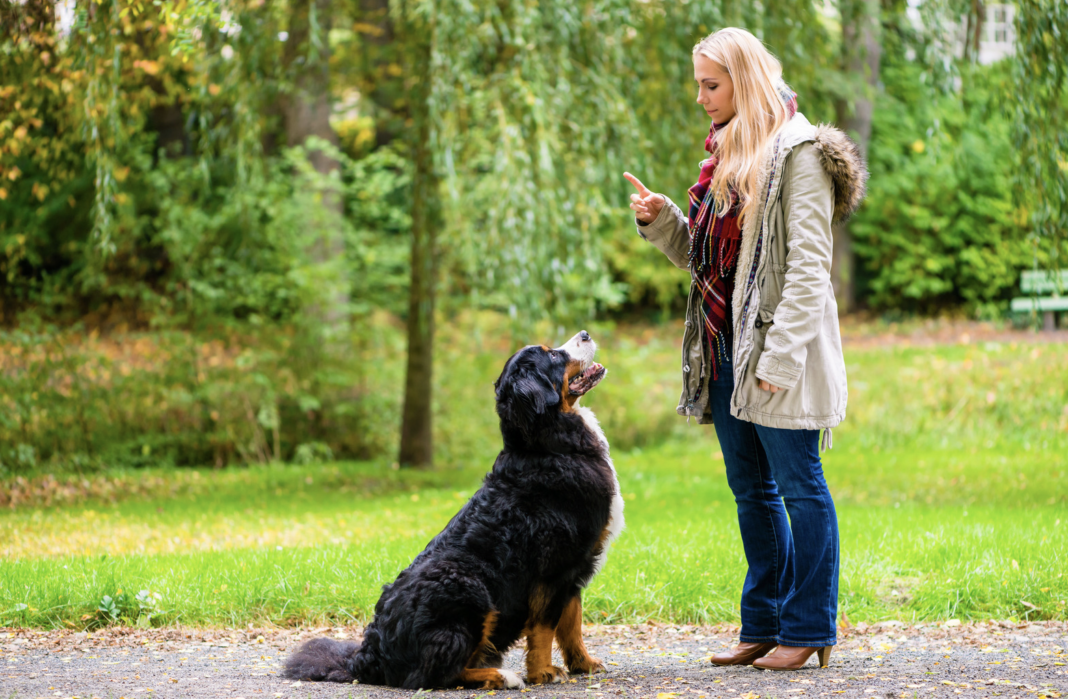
(784, 311)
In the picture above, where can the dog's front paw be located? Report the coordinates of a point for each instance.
(511, 680)
(550, 675)
(587, 665)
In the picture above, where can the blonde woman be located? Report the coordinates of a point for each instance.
(762, 356)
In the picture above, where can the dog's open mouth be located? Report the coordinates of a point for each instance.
(581, 384)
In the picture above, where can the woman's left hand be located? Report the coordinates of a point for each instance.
(765, 386)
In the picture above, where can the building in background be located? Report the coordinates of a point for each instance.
(997, 34)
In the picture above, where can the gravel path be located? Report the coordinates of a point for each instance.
(645, 660)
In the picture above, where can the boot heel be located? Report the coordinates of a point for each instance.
(824, 655)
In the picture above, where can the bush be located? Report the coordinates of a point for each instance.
(76, 401)
(939, 229)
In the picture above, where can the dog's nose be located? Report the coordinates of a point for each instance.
(584, 336)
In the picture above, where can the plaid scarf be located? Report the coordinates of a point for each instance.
(714, 245)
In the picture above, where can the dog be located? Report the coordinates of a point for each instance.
(513, 561)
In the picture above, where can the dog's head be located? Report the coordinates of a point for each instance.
(539, 382)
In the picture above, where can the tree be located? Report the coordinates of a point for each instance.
(416, 443)
(861, 49)
(306, 110)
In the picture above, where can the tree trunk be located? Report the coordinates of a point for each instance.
(306, 112)
(416, 445)
(861, 50)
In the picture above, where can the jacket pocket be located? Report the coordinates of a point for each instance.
(772, 281)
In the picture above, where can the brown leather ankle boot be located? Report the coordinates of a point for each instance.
(742, 654)
(792, 658)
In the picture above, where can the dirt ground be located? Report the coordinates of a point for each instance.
(996, 659)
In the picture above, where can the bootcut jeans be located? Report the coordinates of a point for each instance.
(790, 595)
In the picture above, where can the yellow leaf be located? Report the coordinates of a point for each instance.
(918, 146)
(666, 695)
(214, 89)
(122, 173)
(3, 193)
(150, 67)
(368, 29)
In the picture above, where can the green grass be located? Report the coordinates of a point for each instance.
(948, 475)
(265, 546)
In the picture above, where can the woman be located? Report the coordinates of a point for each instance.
(762, 356)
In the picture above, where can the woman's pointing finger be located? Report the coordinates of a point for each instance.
(642, 189)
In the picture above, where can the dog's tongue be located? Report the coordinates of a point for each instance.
(585, 381)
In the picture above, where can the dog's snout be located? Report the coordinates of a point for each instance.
(584, 336)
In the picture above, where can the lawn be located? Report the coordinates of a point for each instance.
(948, 475)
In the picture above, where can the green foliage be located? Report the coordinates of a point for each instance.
(143, 180)
(530, 144)
(939, 229)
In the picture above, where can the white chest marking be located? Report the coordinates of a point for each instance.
(615, 517)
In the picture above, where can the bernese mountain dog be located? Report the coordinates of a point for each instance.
(512, 563)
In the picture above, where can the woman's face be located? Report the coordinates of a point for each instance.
(715, 89)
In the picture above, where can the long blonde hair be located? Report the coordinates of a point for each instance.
(760, 114)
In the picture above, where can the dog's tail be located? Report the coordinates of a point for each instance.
(327, 660)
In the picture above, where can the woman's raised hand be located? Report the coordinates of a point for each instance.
(646, 204)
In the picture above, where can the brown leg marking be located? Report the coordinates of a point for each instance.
(540, 669)
(482, 678)
(569, 638)
(485, 649)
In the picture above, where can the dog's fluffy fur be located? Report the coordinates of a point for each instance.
(512, 562)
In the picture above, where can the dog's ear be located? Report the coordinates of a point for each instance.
(522, 397)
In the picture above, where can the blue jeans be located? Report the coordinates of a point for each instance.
(790, 596)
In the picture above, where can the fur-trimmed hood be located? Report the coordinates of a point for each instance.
(840, 157)
(842, 160)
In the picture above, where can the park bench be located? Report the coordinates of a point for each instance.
(1043, 282)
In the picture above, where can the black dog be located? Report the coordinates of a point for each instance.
(512, 563)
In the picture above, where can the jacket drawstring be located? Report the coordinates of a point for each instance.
(826, 442)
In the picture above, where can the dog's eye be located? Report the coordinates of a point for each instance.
(552, 354)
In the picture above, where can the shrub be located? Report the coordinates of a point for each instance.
(939, 229)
